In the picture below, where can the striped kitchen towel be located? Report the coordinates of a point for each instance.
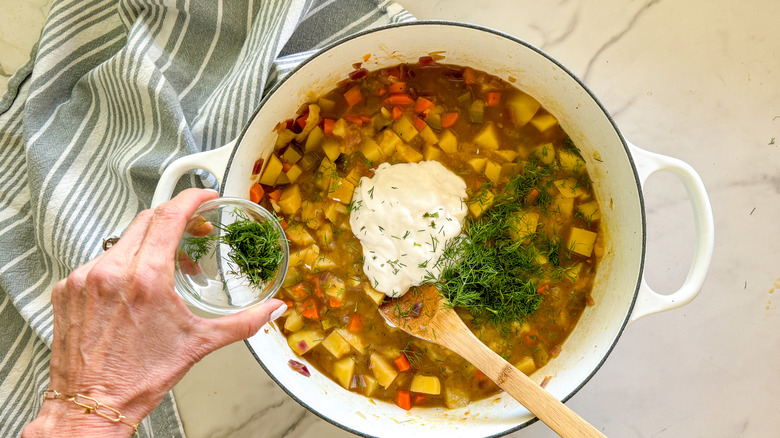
(116, 91)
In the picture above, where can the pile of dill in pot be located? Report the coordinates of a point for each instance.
(488, 273)
(254, 247)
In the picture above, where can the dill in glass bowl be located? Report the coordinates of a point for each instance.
(233, 255)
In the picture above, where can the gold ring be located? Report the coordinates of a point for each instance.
(109, 242)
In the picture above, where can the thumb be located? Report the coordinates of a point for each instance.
(244, 324)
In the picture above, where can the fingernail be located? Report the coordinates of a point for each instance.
(278, 312)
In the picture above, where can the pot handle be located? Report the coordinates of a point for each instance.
(214, 161)
(648, 301)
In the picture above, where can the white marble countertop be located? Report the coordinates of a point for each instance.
(697, 80)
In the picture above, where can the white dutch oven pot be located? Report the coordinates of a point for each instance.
(618, 169)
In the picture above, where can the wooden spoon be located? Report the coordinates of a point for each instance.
(421, 313)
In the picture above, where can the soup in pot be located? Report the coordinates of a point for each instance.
(423, 174)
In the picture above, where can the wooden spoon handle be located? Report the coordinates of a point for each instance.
(536, 399)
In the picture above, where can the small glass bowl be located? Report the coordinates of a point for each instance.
(211, 282)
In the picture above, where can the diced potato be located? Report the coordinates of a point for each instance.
(337, 346)
(543, 122)
(581, 241)
(283, 138)
(325, 104)
(570, 161)
(431, 153)
(522, 224)
(323, 263)
(329, 323)
(408, 154)
(341, 190)
(506, 154)
(371, 150)
(526, 366)
(293, 277)
(315, 138)
(546, 153)
(272, 171)
(383, 371)
(569, 187)
(353, 339)
(290, 200)
(334, 287)
(294, 172)
(343, 370)
(326, 172)
(325, 236)
(405, 128)
(388, 141)
(478, 164)
(311, 255)
(455, 397)
(340, 128)
(492, 171)
(354, 176)
(312, 215)
(509, 169)
(428, 135)
(309, 160)
(448, 142)
(303, 341)
(590, 210)
(294, 322)
(374, 294)
(332, 149)
(334, 209)
(523, 108)
(425, 385)
(488, 137)
(291, 155)
(298, 235)
(370, 385)
(481, 203)
(563, 206)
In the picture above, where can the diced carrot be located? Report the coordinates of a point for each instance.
(449, 119)
(381, 91)
(285, 225)
(419, 123)
(480, 378)
(365, 118)
(543, 289)
(403, 399)
(530, 337)
(398, 87)
(422, 104)
(399, 99)
(354, 119)
(402, 363)
(335, 302)
(299, 292)
(533, 194)
(355, 323)
(276, 195)
(469, 76)
(327, 126)
(301, 121)
(397, 112)
(288, 302)
(309, 309)
(418, 399)
(353, 95)
(286, 167)
(256, 193)
(493, 98)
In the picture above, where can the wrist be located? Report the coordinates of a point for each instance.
(59, 417)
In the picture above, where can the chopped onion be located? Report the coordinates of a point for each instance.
(416, 310)
(299, 367)
(302, 346)
(545, 381)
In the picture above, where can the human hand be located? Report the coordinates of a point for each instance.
(123, 336)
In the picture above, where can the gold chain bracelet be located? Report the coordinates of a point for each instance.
(91, 405)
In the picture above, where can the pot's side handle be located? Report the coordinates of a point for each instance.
(213, 161)
(648, 301)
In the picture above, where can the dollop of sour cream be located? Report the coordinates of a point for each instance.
(404, 215)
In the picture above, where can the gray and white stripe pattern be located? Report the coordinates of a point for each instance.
(115, 92)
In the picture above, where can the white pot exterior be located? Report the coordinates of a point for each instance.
(617, 184)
